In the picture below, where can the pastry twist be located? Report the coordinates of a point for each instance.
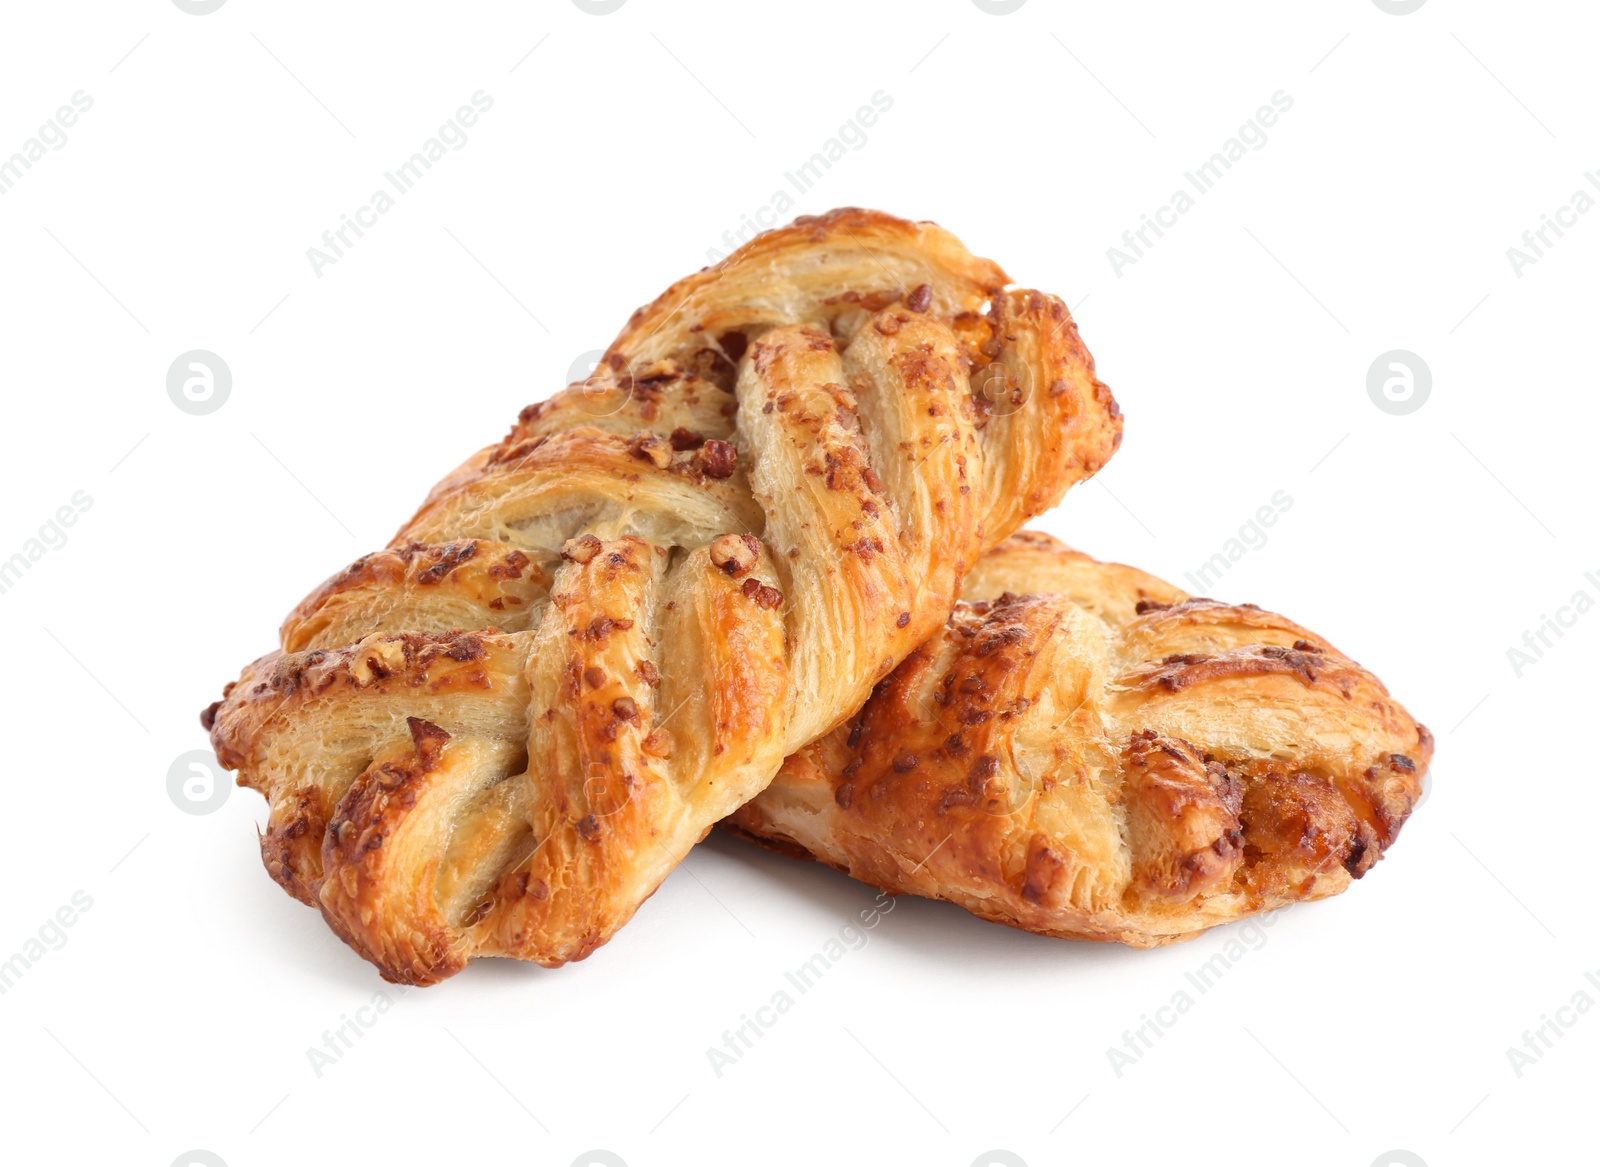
(1086, 751)
(602, 634)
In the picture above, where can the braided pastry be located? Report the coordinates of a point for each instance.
(1104, 757)
(602, 634)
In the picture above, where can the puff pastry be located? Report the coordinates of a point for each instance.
(603, 633)
(1085, 751)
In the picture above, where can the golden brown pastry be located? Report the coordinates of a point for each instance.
(603, 633)
(1086, 751)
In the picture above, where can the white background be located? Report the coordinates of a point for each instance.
(179, 1010)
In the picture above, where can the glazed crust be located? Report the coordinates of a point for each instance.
(603, 633)
(1086, 751)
